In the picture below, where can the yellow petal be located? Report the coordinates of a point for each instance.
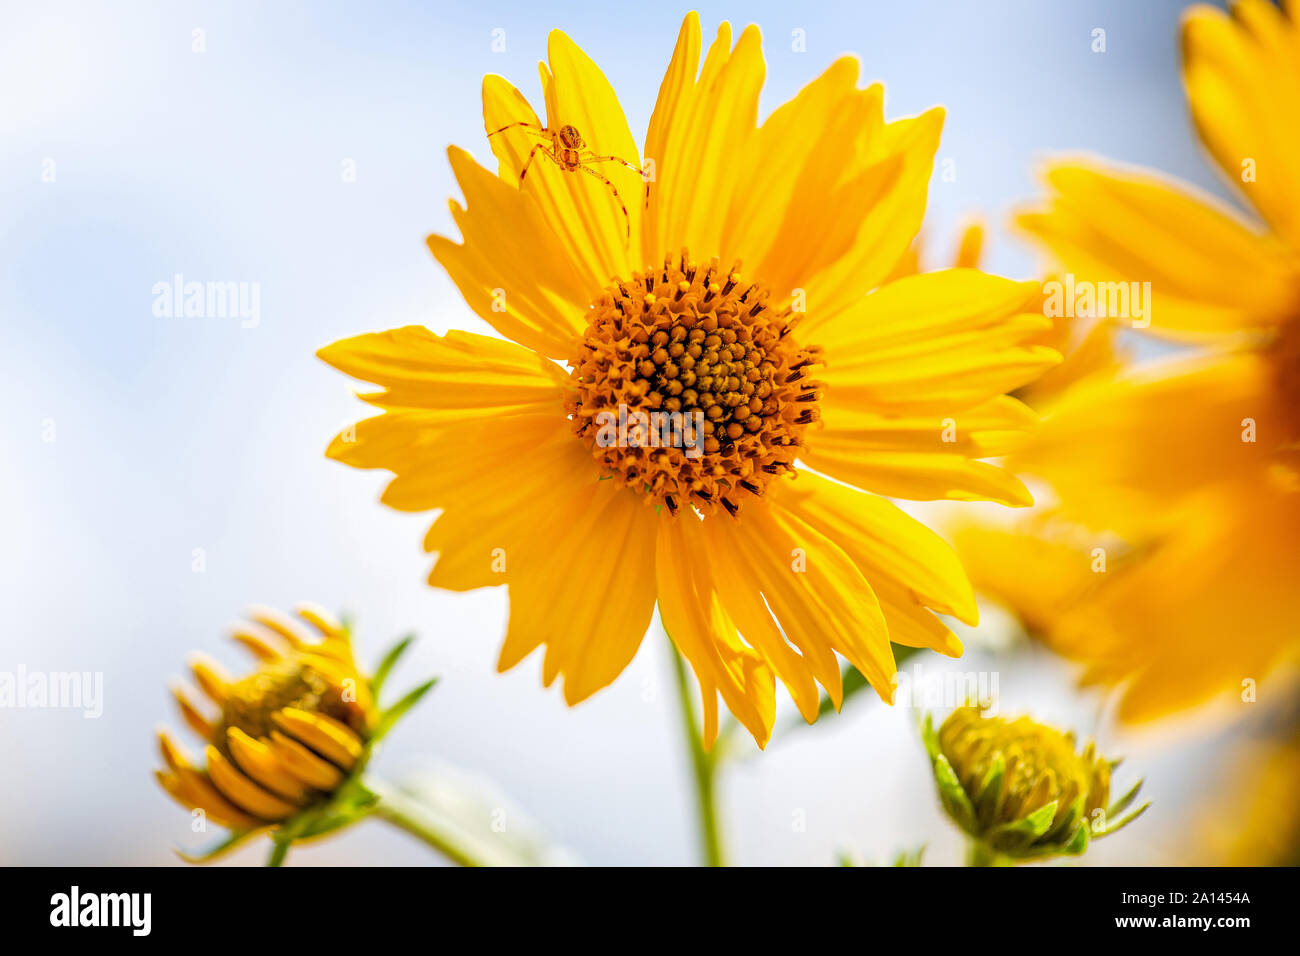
(936, 341)
(305, 765)
(697, 131)
(1095, 356)
(884, 542)
(583, 211)
(281, 624)
(1243, 82)
(911, 623)
(1164, 625)
(901, 158)
(970, 247)
(322, 619)
(815, 591)
(782, 173)
(194, 791)
(1208, 272)
(329, 738)
(512, 268)
(455, 374)
(484, 493)
(1157, 435)
(211, 677)
(261, 642)
(173, 754)
(705, 634)
(918, 476)
(194, 717)
(242, 792)
(261, 763)
(983, 431)
(1037, 576)
(583, 584)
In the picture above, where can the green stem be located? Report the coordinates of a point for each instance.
(407, 813)
(980, 854)
(704, 765)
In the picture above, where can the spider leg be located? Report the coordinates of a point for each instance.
(529, 161)
(590, 157)
(627, 220)
(533, 128)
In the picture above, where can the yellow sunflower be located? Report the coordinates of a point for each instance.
(618, 285)
(1194, 460)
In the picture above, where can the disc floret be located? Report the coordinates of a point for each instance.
(700, 353)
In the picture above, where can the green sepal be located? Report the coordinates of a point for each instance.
(1073, 814)
(1079, 840)
(990, 793)
(390, 716)
(1120, 825)
(386, 665)
(232, 840)
(929, 737)
(1120, 805)
(953, 796)
(1011, 838)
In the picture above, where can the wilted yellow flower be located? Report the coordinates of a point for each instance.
(1195, 462)
(628, 272)
(284, 745)
(1019, 788)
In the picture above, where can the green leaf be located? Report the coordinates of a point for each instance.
(386, 665)
(393, 714)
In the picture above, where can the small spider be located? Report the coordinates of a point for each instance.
(566, 148)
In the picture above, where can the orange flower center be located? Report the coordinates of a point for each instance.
(689, 388)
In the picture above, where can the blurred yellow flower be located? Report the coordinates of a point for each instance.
(1253, 819)
(284, 745)
(1019, 789)
(633, 280)
(1087, 346)
(1194, 461)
